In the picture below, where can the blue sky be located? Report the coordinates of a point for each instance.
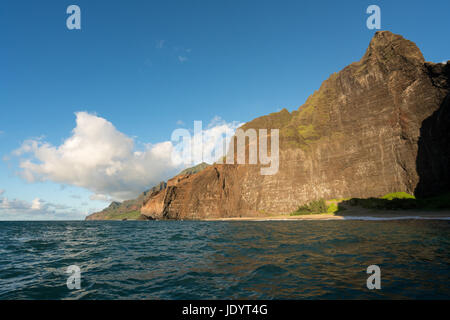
(149, 67)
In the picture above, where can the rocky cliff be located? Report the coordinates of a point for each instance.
(127, 209)
(378, 126)
(131, 209)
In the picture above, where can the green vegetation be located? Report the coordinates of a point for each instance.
(391, 201)
(195, 169)
(307, 125)
(276, 120)
(314, 207)
(398, 195)
(133, 215)
(319, 207)
(402, 201)
(332, 208)
(308, 132)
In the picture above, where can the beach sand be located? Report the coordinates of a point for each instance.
(355, 213)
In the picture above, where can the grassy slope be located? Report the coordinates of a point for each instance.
(133, 215)
(195, 169)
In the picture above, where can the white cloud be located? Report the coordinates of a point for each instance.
(36, 210)
(36, 204)
(14, 204)
(103, 160)
(206, 145)
(100, 197)
(2, 192)
(97, 157)
(216, 138)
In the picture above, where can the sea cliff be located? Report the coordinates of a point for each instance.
(378, 126)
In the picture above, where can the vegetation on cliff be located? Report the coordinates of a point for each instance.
(129, 209)
(195, 169)
(132, 215)
(401, 201)
(390, 201)
(314, 207)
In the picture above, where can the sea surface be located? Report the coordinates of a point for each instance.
(225, 260)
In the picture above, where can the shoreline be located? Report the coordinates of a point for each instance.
(350, 213)
(329, 218)
(353, 214)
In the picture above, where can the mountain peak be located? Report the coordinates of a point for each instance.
(386, 45)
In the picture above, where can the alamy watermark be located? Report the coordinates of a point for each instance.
(228, 148)
(74, 280)
(374, 20)
(374, 280)
(74, 20)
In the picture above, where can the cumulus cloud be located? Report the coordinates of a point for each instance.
(103, 160)
(37, 209)
(14, 204)
(36, 204)
(100, 197)
(97, 157)
(2, 192)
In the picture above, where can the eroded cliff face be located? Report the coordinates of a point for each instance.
(120, 210)
(357, 136)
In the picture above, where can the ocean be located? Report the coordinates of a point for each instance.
(225, 260)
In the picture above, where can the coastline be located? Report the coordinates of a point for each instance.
(356, 214)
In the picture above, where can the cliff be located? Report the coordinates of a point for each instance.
(131, 209)
(377, 126)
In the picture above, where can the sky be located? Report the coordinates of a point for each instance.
(87, 115)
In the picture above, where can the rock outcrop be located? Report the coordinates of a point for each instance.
(378, 126)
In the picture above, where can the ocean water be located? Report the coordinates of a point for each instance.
(225, 260)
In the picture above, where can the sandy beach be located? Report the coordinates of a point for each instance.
(352, 214)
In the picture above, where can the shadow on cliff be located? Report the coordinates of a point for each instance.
(433, 157)
(433, 203)
(433, 168)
